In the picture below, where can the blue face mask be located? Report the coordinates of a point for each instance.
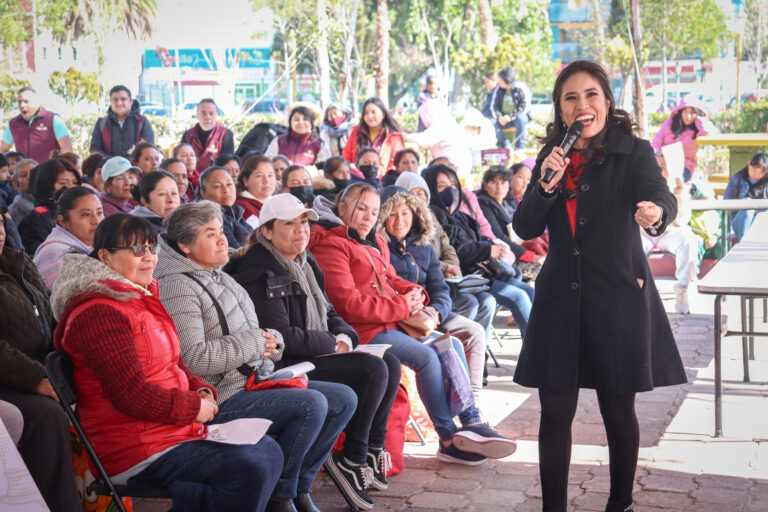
(447, 196)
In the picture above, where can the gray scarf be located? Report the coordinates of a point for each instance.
(301, 272)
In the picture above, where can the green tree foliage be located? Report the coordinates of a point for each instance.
(15, 23)
(75, 86)
(9, 87)
(686, 28)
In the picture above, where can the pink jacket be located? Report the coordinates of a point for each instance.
(665, 136)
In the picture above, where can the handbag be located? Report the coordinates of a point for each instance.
(254, 381)
(416, 325)
(471, 284)
(498, 269)
(455, 377)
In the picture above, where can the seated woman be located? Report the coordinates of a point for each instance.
(195, 292)
(280, 163)
(407, 225)
(142, 409)
(406, 160)
(379, 130)
(216, 185)
(288, 290)
(186, 153)
(25, 339)
(229, 162)
(45, 181)
(146, 156)
(366, 167)
(78, 213)
(176, 167)
(479, 307)
(157, 195)
(473, 248)
(751, 182)
(355, 259)
(301, 144)
(335, 128)
(492, 199)
(297, 182)
(335, 178)
(255, 184)
(119, 176)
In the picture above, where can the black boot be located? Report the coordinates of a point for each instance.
(614, 506)
(303, 503)
(275, 505)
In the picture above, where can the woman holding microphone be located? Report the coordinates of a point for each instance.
(597, 320)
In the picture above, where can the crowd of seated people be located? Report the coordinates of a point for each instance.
(238, 267)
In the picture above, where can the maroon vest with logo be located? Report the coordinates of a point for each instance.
(206, 155)
(300, 149)
(36, 139)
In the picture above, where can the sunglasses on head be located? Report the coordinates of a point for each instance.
(138, 250)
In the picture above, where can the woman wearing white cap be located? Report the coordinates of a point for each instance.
(287, 289)
(119, 177)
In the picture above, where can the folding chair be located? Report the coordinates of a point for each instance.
(58, 367)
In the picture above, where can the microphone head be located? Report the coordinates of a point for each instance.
(576, 128)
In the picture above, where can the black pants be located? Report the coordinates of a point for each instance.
(374, 380)
(558, 408)
(46, 448)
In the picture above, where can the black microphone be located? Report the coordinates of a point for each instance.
(571, 136)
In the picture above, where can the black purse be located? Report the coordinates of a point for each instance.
(498, 269)
(471, 284)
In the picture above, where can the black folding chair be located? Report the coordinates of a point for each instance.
(58, 367)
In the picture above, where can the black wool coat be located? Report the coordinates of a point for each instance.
(597, 319)
(281, 304)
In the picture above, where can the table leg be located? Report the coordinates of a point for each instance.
(718, 374)
(744, 338)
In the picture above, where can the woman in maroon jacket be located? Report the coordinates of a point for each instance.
(367, 292)
(138, 402)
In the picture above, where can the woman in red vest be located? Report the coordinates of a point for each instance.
(379, 130)
(301, 145)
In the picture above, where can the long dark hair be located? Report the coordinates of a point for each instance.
(679, 127)
(616, 117)
(122, 230)
(389, 123)
(43, 177)
(148, 183)
(67, 198)
(304, 111)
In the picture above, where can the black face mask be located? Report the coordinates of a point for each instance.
(303, 194)
(369, 171)
(340, 184)
(447, 196)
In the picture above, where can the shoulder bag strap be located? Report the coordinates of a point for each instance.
(373, 267)
(244, 368)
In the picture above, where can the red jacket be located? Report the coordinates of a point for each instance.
(136, 396)
(393, 143)
(352, 286)
(250, 206)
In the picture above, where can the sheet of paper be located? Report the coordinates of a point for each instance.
(291, 372)
(674, 158)
(240, 431)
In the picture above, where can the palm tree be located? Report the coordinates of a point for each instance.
(133, 17)
(381, 62)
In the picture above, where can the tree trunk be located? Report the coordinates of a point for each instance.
(348, 44)
(664, 62)
(458, 82)
(638, 93)
(381, 64)
(599, 31)
(324, 66)
(487, 35)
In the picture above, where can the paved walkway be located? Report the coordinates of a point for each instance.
(682, 467)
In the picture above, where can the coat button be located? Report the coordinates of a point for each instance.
(574, 285)
(575, 252)
(582, 221)
(585, 187)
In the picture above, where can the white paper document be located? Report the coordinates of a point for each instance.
(241, 431)
(674, 158)
(289, 372)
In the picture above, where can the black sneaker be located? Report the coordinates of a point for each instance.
(381, 463)
(452, 454)
(483, 440)
(352, 481)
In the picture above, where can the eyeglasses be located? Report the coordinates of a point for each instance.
(138, 250)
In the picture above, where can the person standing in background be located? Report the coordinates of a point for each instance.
(208, 137)
(123, 127)
(35, 131)
(429, 93)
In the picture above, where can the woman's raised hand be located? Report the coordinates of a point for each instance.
(271, 345)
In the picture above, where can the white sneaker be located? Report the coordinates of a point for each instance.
(681, 300)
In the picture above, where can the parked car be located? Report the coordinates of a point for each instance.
(190, 109)
(154, 109)
(265, 106)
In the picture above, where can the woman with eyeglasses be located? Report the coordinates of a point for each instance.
(142, 409)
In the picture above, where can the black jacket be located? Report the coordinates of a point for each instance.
(597, 319)
(235, 228)
(25, 337)
(282, 305)
(498, 218)
(122, 138)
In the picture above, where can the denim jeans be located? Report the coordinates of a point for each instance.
(742, 220)
(516, 296)
(480, 307)
(429, 379)
(210, 476)
(306, 422)
(520, 123)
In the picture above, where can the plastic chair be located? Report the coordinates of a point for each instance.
(58, 367)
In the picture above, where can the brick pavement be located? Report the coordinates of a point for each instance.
(681, 467)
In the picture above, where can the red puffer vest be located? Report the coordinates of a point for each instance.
(300, 149)
(123, 441)
(206, 155)
(35, 139)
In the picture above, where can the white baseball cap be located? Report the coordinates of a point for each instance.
(284, 207)
(116, 166)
